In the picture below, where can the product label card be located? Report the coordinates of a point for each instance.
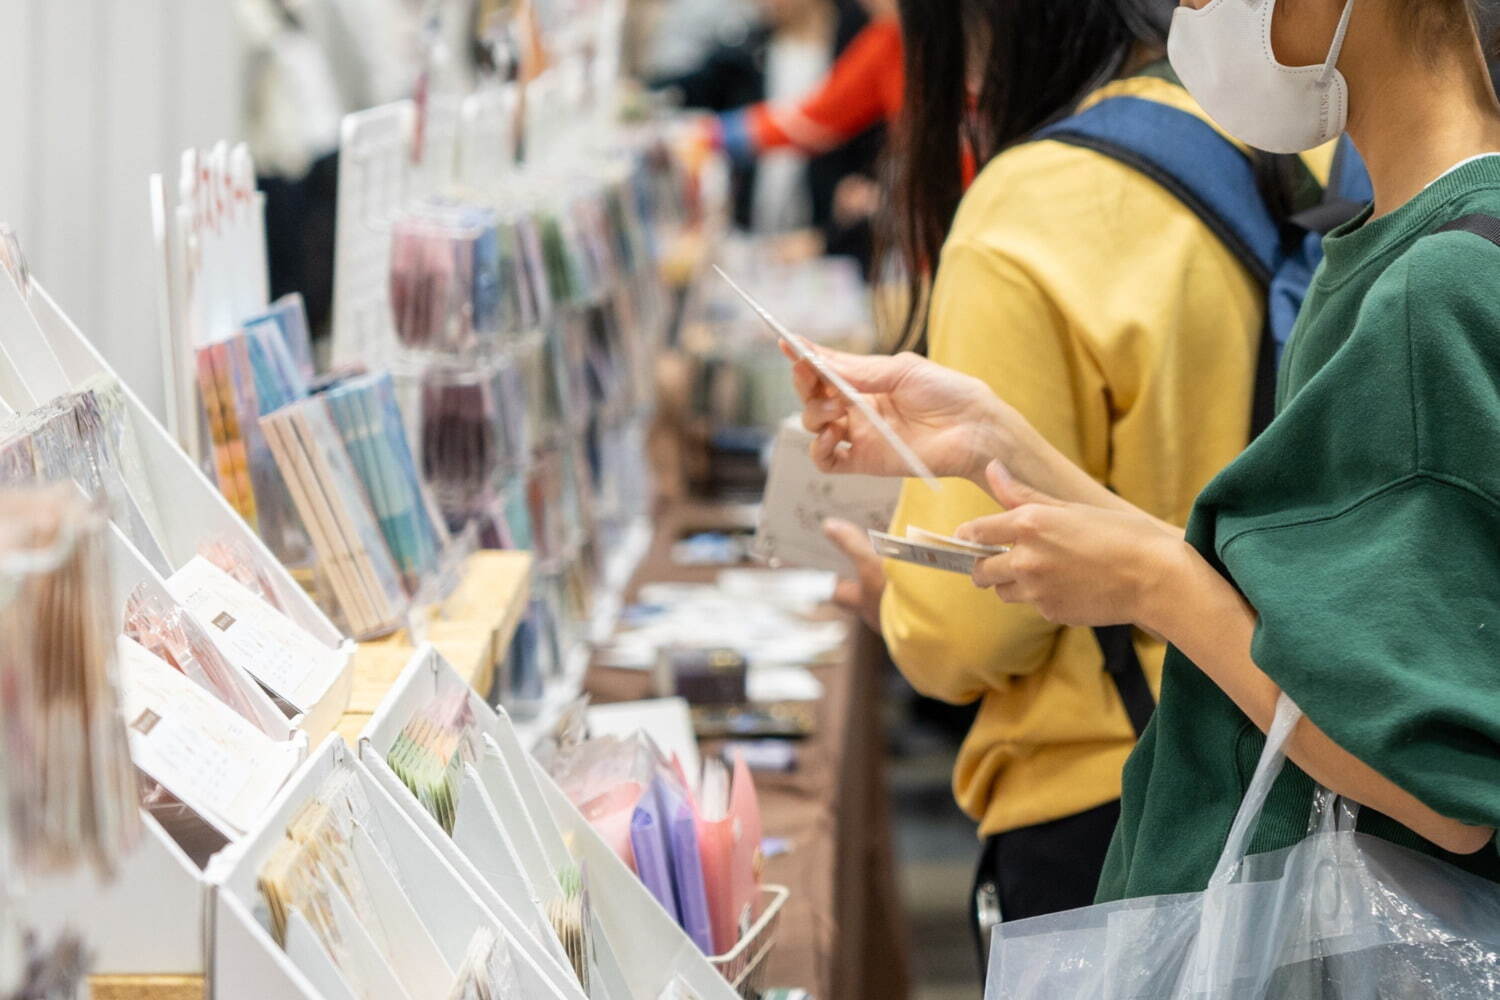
(254, 636)
(198, 748)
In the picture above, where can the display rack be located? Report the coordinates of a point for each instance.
(51, 357)
(649, 946)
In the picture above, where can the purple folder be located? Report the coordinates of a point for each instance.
(687, 865)
(648, 842)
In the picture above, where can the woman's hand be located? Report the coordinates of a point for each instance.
(1077, 564)
(863, 593)
(953, 421)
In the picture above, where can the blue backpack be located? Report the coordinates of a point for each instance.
(1217, 181)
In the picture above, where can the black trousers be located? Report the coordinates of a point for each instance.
(1041, 869)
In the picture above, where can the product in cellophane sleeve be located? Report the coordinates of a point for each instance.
(488, 972)
(472, 436)
(165, 628)
(537, 301)
(204, 755)
(70, 789)
(237, 559)
(352, 552)
(85, 436)
(254, 636)
(544, 501)
(446, 279)
(365, 411)
(287, 316)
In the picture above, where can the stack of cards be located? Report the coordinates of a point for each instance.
(926, 548)
(333, 874)
(488, 972)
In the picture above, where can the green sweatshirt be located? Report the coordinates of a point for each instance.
(1364, 527)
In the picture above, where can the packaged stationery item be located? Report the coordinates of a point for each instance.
(241, 378)
(446, 278)
(255, 636)
(643, 807)
(70, 793)
(85, 436)
(234, 557)
(573, 922)
(331, 500)
(170, 631)
(729, 836)
(468, 438)
(488, 972)
(365, 411)
(208, 757)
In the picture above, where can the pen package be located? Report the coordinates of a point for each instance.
(164, 628)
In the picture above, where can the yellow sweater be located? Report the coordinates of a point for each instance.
(1089, 298)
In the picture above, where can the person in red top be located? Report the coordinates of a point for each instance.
(863, 89)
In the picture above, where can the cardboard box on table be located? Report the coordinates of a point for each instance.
(517, 834)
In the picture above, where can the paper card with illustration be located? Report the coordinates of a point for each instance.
(799, 498)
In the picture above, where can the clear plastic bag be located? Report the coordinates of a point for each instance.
(1338, 916)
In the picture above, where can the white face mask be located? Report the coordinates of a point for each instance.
(1222, 54)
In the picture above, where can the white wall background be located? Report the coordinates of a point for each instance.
(96, 95)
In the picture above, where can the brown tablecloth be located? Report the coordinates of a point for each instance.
(841, 935)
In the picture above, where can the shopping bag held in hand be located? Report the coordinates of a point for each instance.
(1338, 916)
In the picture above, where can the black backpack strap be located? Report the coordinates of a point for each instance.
(1123, 665)
(1484, 226)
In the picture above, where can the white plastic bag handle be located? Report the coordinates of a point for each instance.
(1266, 772)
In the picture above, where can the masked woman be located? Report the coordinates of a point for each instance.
(1121, 327)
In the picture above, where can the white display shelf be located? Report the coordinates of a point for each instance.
(529, 827)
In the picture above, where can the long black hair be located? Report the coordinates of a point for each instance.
(1039, 58)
